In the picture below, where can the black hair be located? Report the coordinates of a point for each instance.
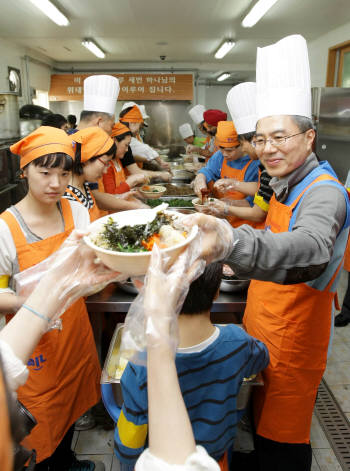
(90, 115)
(303, 123)
(123, 112)
(56, 160)
(248, 136)
(123, 136)
(54, 120)
(72, 120)
(78, 165)
(202, 291)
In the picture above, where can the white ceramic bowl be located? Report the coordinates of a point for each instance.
(133, 264)
(153, 192)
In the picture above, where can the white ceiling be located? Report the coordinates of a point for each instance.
(130, 30)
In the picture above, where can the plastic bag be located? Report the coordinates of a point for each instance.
(152, 317)
(70, 273)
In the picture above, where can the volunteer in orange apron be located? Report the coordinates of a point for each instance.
(210, 124)
(114, 180)
(229, 162)
(94, 151)
(295, 262)
(64, 369)
(241, 102)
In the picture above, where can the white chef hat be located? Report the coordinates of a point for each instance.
(186, 130)
(241, 102)
(101, 93)
(283, 78)
(143, 111)
(196, 113)
(129, 104)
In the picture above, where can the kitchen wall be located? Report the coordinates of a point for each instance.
(31, 64)
(318, 52)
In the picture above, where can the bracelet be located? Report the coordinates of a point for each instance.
(45, 318)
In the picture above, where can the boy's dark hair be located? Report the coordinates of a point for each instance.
(72, 120)
(54, 120)
(78, 165)
(56, 160)
(202, 291)
(123, 136)
(248, 136)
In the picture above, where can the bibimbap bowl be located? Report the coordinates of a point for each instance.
(134, 263)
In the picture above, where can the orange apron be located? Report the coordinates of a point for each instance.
(6, 445)
(294, 321)
(118, 172)
(237, 174)
(64, 371)
(94, 211)
(223, 462)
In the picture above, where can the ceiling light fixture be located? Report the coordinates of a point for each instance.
(51, 11)
(223, 77)
(257, 12)
(225, 47)
(93, 47)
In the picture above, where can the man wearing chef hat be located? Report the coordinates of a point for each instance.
(294, 263)
(188, 136)
(100, 97)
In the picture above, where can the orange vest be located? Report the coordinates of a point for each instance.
(118, 173)
(294, 321)
(94, 211)
(6, 445)
(64, 370)
(229, 172)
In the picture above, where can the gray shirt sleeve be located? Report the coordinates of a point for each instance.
(297, 256)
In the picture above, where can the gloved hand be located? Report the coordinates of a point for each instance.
(67, 275)
(217, 208)
(217, 236)
(226, 184)
(166, 176)
(136, 179)
(164, 164)
(199, 183)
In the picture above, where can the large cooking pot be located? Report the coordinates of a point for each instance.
(9, 116)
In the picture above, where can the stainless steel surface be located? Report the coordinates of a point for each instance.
(28, 125)
(113, 299)
(331, 108)
(234, 285)
(9, 116)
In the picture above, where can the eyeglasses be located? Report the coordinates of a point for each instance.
(106, 164)
(275, 141)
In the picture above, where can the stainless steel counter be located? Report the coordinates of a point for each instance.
(113, 299)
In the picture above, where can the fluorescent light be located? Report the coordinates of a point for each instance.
(223, 77)
(51, 11)
(257, 12)
(93, 47)
(224, 49)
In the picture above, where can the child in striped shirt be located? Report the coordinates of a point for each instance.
(211, 362)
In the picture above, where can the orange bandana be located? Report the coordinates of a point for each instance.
(133, 116)
(118, 129)
(94, 141)
(226, 134)
(44, 140)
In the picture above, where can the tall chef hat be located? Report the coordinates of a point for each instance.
(186, 130)
(241, 102)
(101, 93)
(196, 113)
(283, 78)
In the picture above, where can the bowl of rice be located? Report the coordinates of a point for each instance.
(123, 241)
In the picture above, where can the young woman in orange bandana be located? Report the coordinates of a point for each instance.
(64, 369)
